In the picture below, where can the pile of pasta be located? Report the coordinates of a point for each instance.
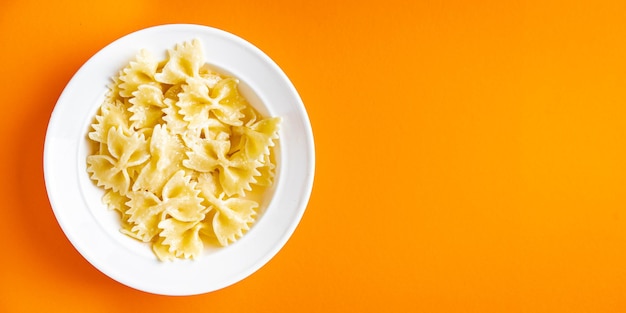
(181, 153)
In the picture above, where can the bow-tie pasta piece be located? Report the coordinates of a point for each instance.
(236, 173)
(206, 155)
(184, 62)
(258, 138)
(181, 154)
(231, 217)
(145, 211)
(146, 107)
(181, 200)
(198, 103)
(137, 73)
(167, 152)
(113, 113)
(112, 170)
(180, 239)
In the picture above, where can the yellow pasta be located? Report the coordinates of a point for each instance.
(178, 150)
(231, 217)
(146, 107)
(137, 73)
(166, 154)
(110, 168)
(184, 62)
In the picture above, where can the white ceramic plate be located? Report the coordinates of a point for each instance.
(94, 230)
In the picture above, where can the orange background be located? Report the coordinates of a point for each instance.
(471, 155)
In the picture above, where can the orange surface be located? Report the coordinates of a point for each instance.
(471, 155)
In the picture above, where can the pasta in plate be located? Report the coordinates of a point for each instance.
(178, 151)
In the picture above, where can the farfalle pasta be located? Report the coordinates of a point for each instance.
(180, 152)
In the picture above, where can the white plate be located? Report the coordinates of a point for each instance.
(94, 230)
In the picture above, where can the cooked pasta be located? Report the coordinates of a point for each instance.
(177, 150)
